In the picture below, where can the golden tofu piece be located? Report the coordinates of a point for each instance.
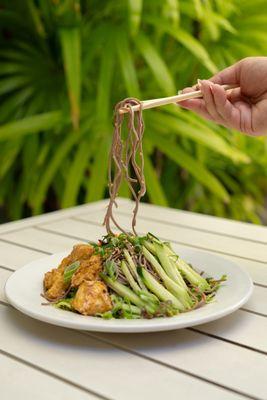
(92, 298)
(90, 266)
(87, 271)
(54, 284)
(79, 252)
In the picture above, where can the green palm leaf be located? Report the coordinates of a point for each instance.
(76, 173)
(30, 125)
(71, 48)
(98, 173)
(127, 66)
(9, 152)
(205, 136)
(51, 169)
(172, 12)
(186, 40)
(135, 11)
(103, 106)
(175, 153)
(154, 189)
(156, 63)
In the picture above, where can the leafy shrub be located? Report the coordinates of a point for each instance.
(64, 64)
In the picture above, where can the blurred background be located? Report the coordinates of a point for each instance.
(64, 65)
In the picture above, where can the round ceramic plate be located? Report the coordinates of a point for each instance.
(23, 290)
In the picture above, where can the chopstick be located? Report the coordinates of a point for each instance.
(172, 99)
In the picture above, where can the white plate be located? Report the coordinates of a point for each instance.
(23, 290)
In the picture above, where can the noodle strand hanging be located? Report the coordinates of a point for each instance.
(126, 160)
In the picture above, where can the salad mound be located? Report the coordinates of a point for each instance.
(127, 276)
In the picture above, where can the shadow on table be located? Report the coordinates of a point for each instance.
(183, 338)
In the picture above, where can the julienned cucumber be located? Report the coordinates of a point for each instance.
(168, 266)
(159, 290)
(122, 290)
(183, 268)
(179, 292)
(127, 294)
(133, 268)
(129, 277)
(190, 274)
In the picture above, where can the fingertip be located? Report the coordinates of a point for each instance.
(204, 82)
(204, 86)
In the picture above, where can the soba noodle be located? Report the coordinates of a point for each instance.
(126, 160)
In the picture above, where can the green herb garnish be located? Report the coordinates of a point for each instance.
(69, 271)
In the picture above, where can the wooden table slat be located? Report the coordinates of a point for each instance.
(205, 240)
(39, 240)
(98, 366)
(216, 360)
(55, 215)
(25, 382)
(258, 301)
(12, 256)
(204, 222)
(4, 275)
(241, 327)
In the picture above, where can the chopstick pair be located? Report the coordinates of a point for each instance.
(172, 99)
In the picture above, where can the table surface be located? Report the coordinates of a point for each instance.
(225, 359)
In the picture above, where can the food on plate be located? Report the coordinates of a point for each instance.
(127, 276)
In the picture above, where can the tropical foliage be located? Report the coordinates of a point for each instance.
(65, 63)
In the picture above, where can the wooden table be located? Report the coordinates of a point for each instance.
(225, 359)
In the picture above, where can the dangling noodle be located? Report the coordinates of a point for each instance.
(127, 160)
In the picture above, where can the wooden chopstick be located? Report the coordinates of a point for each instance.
(172, 99)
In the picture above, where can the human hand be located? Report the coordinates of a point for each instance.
(243, 108)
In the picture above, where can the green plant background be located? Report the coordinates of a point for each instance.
(63, 66)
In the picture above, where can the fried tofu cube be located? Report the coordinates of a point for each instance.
(79, 252)
(87, 271)
(90, 266)
(54, 284)
(92, 298)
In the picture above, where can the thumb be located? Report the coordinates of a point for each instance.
(229, 75)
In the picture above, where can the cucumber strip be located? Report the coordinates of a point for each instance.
(129, 277)
(150, 247)
(180, 293)
(159, 290)
(133, 269)
(128, 294)
(191, 275)
(131, 309)
(169, 267)
(123, 291)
